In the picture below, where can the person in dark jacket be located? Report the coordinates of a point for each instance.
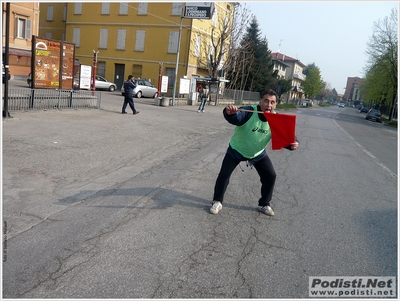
(129, 86)
(251, 136)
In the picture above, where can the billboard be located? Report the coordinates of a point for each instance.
(52, 64)
(199, 10)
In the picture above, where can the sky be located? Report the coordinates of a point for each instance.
(331, 34)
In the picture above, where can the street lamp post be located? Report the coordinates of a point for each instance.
(177, 61)
(94, 70)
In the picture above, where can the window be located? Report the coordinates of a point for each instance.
(142, 8)
(64, 17)
(49, 35)
(177, 9)
(105, 8)
(139, 44)
(197, 46)
(173, 42)
(215, 18)
(101, 68)
(121, 37)
(78, 8)
(137, 71)
(171, 76)
(123, 8)
(76, 36)
(103, 38)
(50, 11)
(22, 28)
(63, 36)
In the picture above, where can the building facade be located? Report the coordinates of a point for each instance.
(24, 22)
(132, 38)
(352, 92)
(290, 68)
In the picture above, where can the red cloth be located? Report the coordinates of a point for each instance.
(283, 129)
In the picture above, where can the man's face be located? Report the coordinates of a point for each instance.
(268, 103)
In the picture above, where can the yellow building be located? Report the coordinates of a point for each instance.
(24, 22)
(135, 38)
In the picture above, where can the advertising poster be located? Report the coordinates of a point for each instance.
(164, 84)
(67, 75)
(85, 77)
(46, 56)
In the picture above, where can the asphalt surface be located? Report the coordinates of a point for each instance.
(97, 204)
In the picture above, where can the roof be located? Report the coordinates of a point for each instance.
(283, 57)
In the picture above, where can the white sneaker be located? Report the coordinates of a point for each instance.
(266, 210)
(216, 206)
(202, 111)
(198, 111)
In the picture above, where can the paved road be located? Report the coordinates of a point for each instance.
(102, 205)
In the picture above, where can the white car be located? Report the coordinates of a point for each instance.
(144, 88)
(103, 84)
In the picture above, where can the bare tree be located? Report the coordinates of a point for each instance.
(219, 47)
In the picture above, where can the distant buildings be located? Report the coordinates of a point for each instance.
(24, 22)
(138, 38)
(352, 91)
(289, 67)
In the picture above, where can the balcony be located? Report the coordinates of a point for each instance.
(299, 76)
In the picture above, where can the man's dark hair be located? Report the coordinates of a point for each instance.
(269, 92)
(130, 76)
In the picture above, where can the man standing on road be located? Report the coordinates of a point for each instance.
(129, 86)
(251, 136)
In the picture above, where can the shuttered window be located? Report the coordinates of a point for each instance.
(123, 8)
(105, 8)
(173, 42)
(64, 17)
(78, 8)
(197, 46)
(103, 38)
(50, 13)
(139, 44)
(142, 9)
(121, 37)
(177, 9)
(76, 36)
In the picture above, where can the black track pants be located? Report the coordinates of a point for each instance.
(265, 170)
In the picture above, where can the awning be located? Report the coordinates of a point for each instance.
(18, 52)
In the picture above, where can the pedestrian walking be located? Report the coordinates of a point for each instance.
(251, 136)
(129, 86)
(204, 97)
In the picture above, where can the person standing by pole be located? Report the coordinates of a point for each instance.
(204, 96)
(129, 86)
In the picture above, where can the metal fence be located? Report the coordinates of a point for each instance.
(45, 99)
(239, 95)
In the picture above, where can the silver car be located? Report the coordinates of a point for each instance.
(103, 84)
(144, 88)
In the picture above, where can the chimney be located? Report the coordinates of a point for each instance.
(283, 58)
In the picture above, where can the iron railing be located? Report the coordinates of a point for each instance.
(45, 99)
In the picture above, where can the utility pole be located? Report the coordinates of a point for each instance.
(177, 60)
(6, 61)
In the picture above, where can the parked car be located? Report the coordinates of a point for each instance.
(103, 84)
(341, 105)
(144, 88)
(4, 74)
(364, 110)
(374, 115)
